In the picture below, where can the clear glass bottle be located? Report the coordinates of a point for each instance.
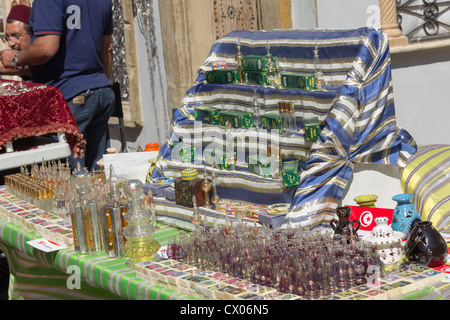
(291, 121)
(85, 218)
(113, 220)
(318, 74)
(271, 67)
(239, 58)
(283, 116)
(256, 112)
(140, 245)
(206, 187)
(149, 205)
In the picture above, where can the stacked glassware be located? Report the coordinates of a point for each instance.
(308, 264)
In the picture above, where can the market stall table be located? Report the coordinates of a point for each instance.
(36, 274)
(28, 112)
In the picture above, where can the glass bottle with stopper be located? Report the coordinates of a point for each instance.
(215, 197)
(196, 218)
(140, 245)
(271, 70)
(291, 120)
(256, 112)
(149, 205)
(319, 78)
(206, 188)
(230, 153)
(274, 152)
(85, 216)
(239, 58)
(113, 218)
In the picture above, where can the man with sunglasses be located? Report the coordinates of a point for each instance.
(17, 35)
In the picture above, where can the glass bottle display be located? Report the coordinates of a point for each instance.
(140, 245)
(85, 216)
(113, 220)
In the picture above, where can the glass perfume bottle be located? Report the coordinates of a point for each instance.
(230, 159)
(113, 221)
(256, 112)
(319, 78)
(140, 245)
(271, 67)
(291, 120)
(239, 58)
(196, 218)
(206, 188)
(282, 112)
(85, 217)
(215, 197)
(276, 162)
(149, 205)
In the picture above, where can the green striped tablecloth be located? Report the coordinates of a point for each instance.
(35, 274)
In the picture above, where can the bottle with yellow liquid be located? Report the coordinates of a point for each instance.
(85, 219)
(140, 245)
(113, 219)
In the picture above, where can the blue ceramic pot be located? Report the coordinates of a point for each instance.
(405, 214)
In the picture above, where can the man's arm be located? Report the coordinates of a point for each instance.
(106, 55)
(21, 71)
(39, 52)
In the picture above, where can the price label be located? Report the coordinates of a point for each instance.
(45, 245)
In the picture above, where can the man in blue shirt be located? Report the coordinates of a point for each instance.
(71, 48)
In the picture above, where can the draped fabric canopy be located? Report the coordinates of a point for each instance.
(355, 111)
(360, 128)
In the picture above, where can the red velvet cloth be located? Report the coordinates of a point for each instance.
(31, 109)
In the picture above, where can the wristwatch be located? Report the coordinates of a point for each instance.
(14, 60)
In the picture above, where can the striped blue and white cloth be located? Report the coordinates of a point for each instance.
(356, 113)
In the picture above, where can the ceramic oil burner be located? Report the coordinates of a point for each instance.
(405, 215)
(343, 225)
(387, 241)
(426, 246)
